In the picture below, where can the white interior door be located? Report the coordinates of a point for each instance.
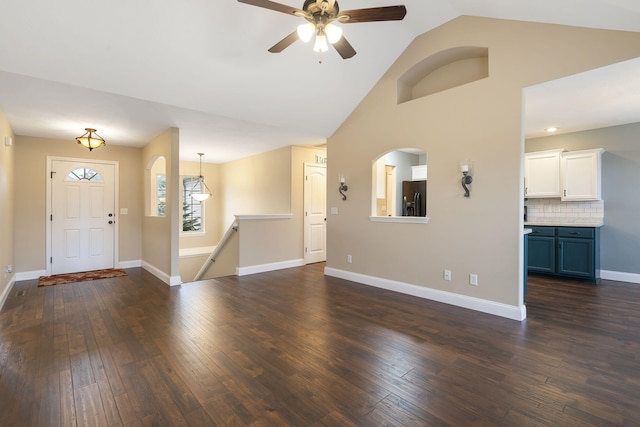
(82, 216)
(315, 213)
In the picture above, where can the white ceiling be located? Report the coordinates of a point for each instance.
(132, 68)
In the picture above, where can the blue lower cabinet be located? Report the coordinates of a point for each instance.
(565, 251)
(542, 254)
(575, 257)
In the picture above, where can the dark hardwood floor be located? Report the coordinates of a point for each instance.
(293, 347)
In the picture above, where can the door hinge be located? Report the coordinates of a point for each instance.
(51, 260)
(52, 172)
(51, 217)
(305, 250)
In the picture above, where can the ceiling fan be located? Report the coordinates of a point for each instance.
(320, 15)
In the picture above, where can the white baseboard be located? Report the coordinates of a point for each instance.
(485, 306)
(130, 264)
(243, 271)
(30, 275)
(620, 276)
(169, 280)
(7, 290)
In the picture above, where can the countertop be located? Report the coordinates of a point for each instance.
(568, 222)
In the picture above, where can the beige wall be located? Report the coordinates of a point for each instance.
(264, 184)
(480, 121)
(160, 234)
(212, 206)
(255, 185)
(30, 212)
(7, 155)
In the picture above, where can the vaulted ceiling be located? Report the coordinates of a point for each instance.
(132, 68)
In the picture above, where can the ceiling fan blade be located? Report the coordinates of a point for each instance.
(386, 13)
(284, 43)
(344, 48)
(278, 7)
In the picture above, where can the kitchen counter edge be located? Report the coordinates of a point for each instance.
(555, 223)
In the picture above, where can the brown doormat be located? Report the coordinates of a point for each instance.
(59, 279)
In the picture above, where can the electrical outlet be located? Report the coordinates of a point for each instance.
(447, 275)
(349, 259)
(473, 279)
(9, 268)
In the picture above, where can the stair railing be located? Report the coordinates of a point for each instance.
(212, 257)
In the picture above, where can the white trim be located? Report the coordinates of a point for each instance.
(196, 252)
(620, 276)
(169, 280)
(7, 290)
(198, 233)
(130, 264)
(30, 275)
(485, 306)
(271, 216)
(116, 205)
(401, 219)
(243, 271)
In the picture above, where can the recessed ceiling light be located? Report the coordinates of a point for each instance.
(551, 129)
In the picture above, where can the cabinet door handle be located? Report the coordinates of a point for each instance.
(574, 233)
(565, 193)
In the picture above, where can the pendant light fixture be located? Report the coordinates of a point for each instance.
(91, 139)
(202, 195)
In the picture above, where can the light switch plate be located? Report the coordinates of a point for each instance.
(124, 211)
(8, 141)
(334, 211)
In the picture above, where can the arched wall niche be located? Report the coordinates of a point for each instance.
(395, 173)
(155, 186)
(444, 70)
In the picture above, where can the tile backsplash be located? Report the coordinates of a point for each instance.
(546, 209)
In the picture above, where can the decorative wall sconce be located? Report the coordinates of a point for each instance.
(343, 187)
(465, 168)
(90, 139)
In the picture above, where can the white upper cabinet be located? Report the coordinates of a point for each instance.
(581, 175)
(419, 173)
(542, 174)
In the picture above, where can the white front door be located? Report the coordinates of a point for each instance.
(82, 216)
(315, 213)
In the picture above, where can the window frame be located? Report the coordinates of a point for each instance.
(183, 192)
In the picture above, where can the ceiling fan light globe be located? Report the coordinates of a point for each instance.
(306, 31)
(334, 33)
(321, 44)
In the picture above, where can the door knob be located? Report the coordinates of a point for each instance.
(110, 214)
(110, 222)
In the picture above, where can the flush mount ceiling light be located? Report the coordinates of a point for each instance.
(551, 129)
(91, 139)
(201, 196)
(320, 15)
